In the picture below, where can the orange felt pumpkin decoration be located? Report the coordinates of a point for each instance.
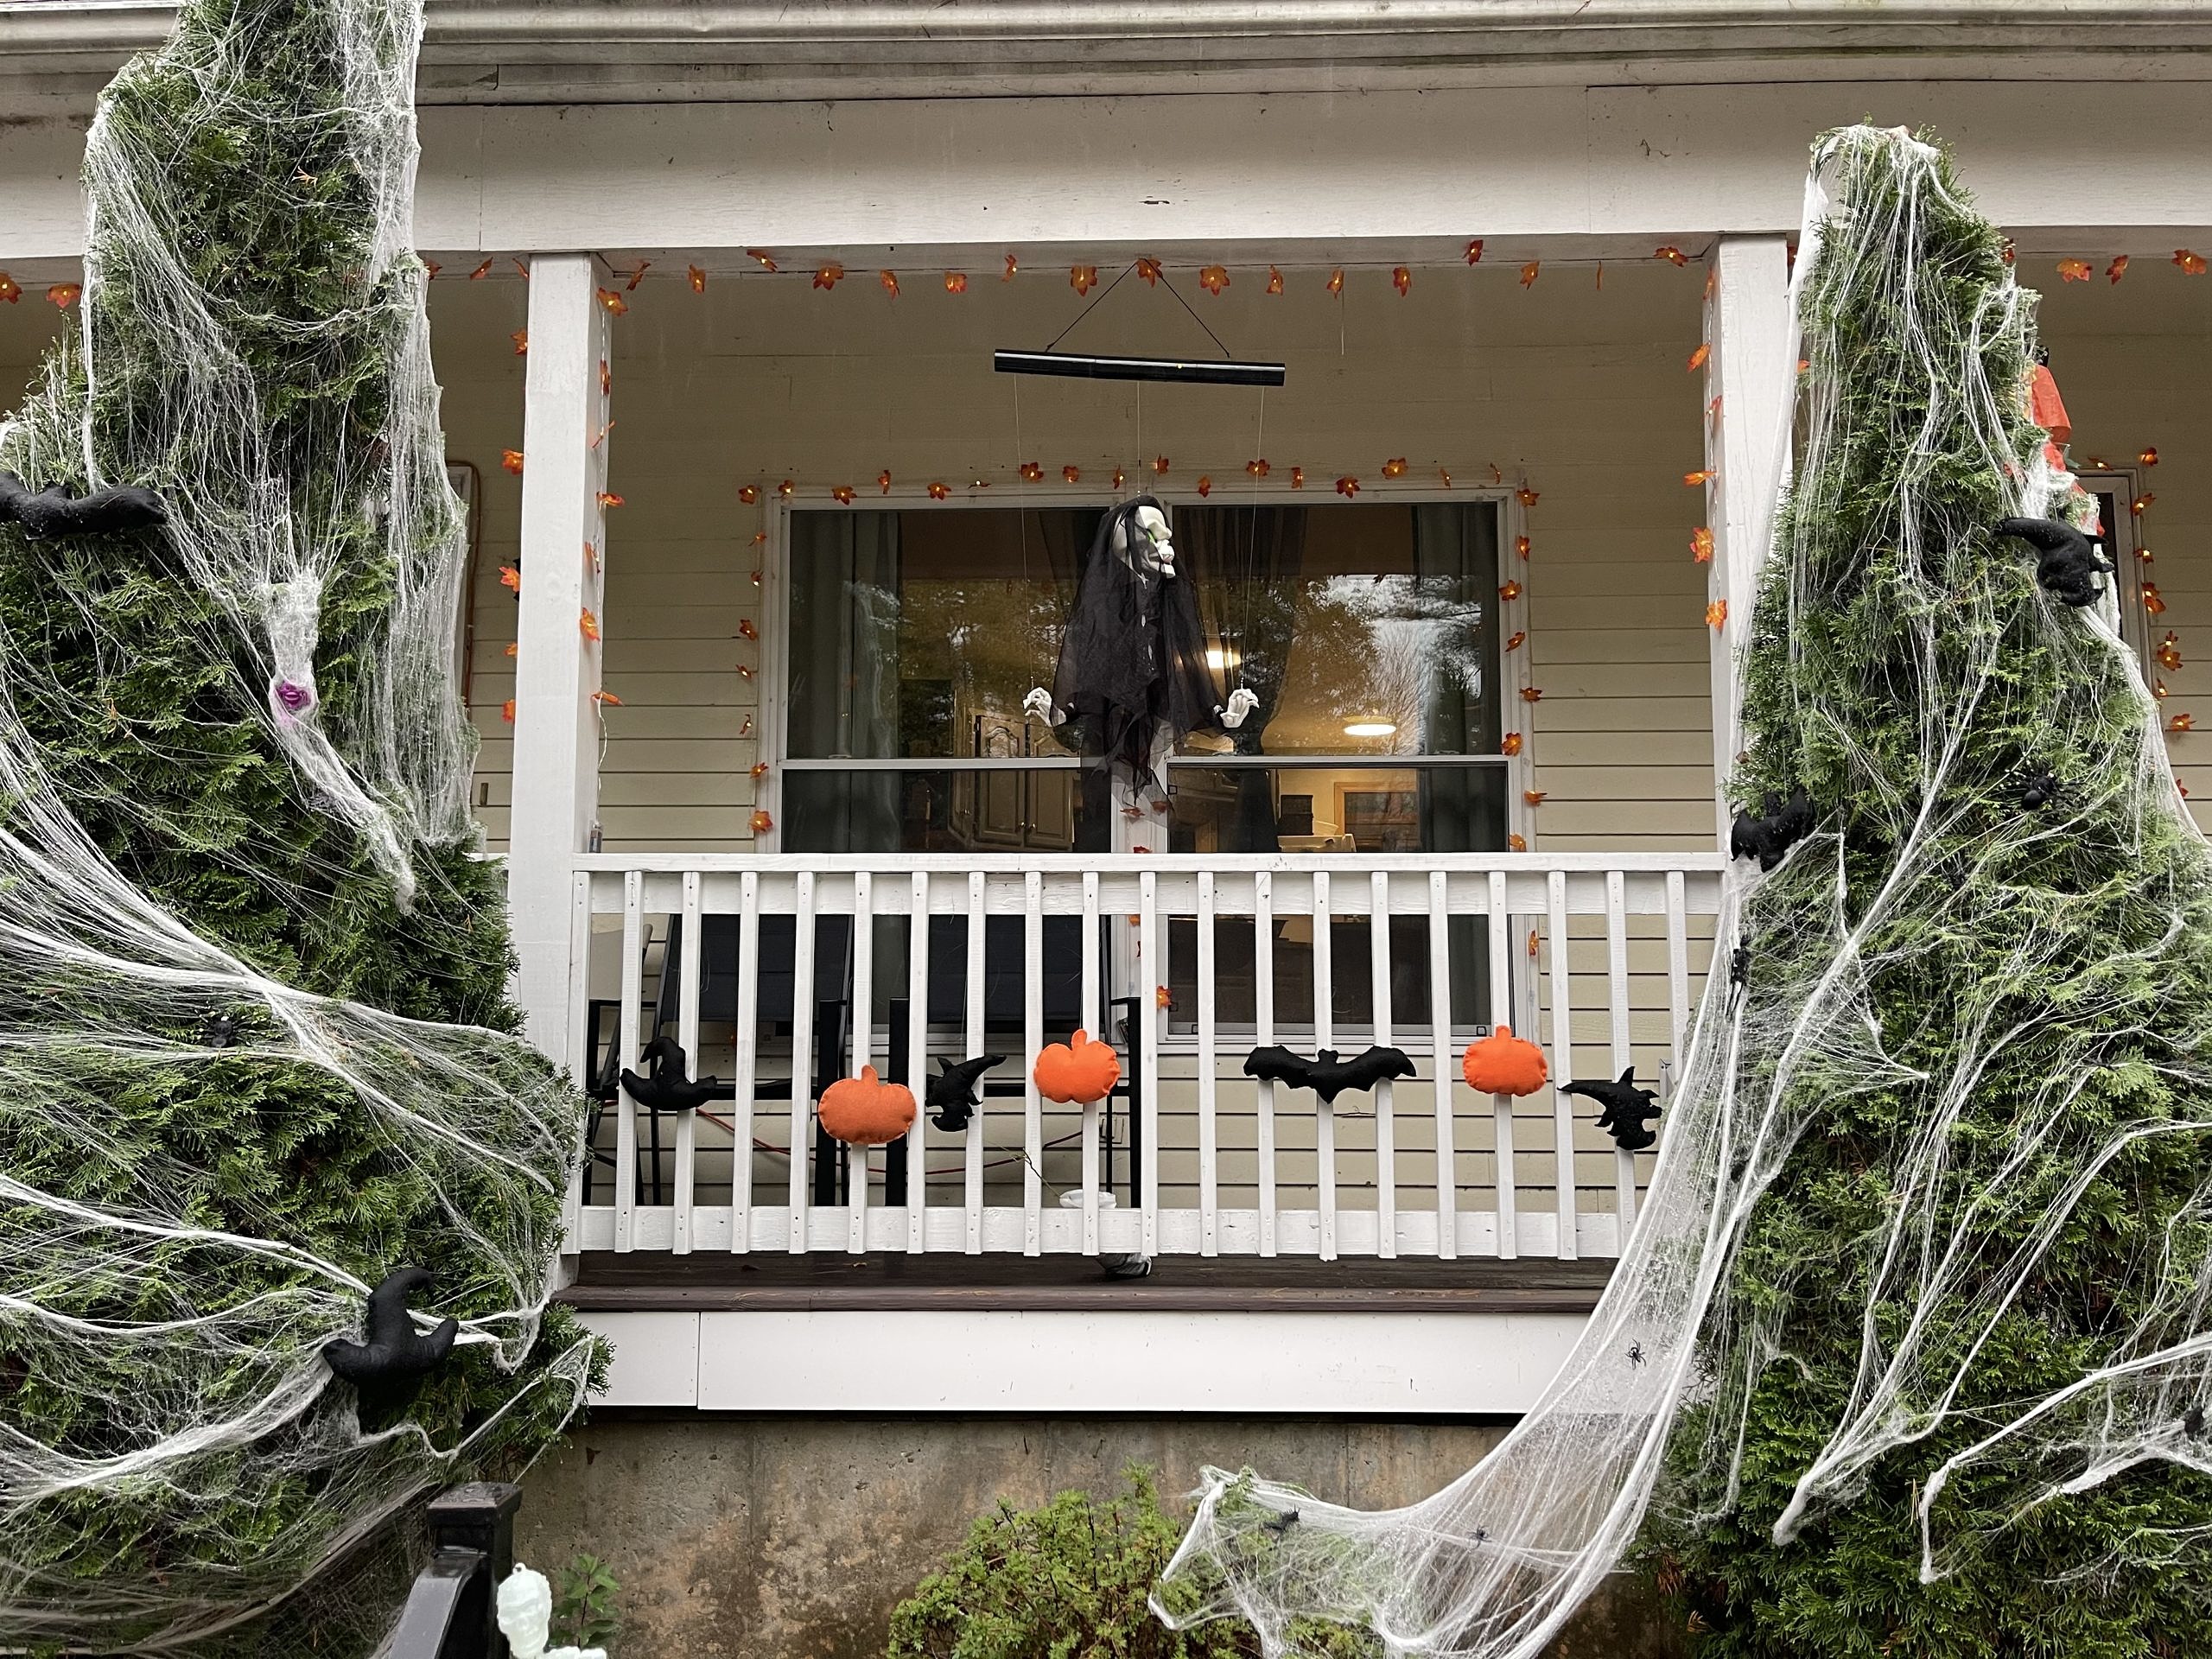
(1502, 1064)
(865, 1111)
(1078, 1072)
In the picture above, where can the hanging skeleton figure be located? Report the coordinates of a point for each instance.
(1133, 681)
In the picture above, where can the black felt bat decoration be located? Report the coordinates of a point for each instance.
(1768, 837)
(396, 1352)
(664, 1088)
(2040, 793)
(1626, 1108)
(2067, 563)
(1327, 1076)
(54, 512)
(951, 1096)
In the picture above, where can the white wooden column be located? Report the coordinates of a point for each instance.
(1752, 370)
(557, 667)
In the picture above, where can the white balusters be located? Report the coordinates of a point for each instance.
(863, 1005)
(1386, 1141)
(1562, 1067)
(683, 961)
(802, 1058)
(1263, 1035)
(1091, 1016)
(1500, 926)
(918, 1063)
(1032, 1040)
(1446, 1060)
(1623, 1054)
(748, 1043)
(1209, 1129)
(972, 1168)
(1152, 953)
(625, 1109)
(1325, 1116)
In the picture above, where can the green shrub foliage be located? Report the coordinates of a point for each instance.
(257, 1046)
(2029, 1087)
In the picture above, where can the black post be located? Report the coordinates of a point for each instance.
(452, 1612)
(829, 1051)
(894, 1155)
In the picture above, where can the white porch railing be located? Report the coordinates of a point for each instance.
(1593, 955)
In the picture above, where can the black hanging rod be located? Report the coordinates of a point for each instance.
(1084, 366)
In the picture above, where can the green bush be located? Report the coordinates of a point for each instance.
(584, 1614)
(1071, 1579)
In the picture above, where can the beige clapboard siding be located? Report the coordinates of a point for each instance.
(1578, 388)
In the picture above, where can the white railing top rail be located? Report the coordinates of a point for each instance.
(657, 862)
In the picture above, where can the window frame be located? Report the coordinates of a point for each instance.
(770, 724)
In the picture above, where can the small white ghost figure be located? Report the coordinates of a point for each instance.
(525, 1614)
(1241, 703)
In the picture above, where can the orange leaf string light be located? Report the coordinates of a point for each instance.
(2072, 270)
(1214, 278)
(600, 436)
(430, 270)
(1510, 744)
(2192, 264)
(1703, 475)
(1516, 842)
(2142, 502)
(606, 698)
(1258, 469)
(615, 304)
(1071, 474)
(507, 711)
(510, 578)
(2169, 653)
(1534, 797)
(1336, 281)
(1716, 613)
(514, 648)
(591, 558)
(588, 623)
(1474, 251)
(1160, 466)
(11, 290)
(510, 461)
(1395, 468)
(605, 377)
(521, 337)
(1205, 485)
(1011, 266)
(768, 263)
(746, 630)
(1445, 472)
(608, 499)
(937, 490)
(745, 672)
(1698, 357)
(1670, 253)
(1031, 471)
(1347, 486)
(783, 490)
(522, 268)
(1701, 545)
(2118, 269)
(842, 495)
(1162, 997)
(883, 481)
(1514, 644)
(758, 771)
(1520, 545)
(1274, 280)
(698, 278)
(1083, 278)
(1509, 592)
(2181, 723)
(955, 282)
(64, 295)
(1402, 280)
(829, 276)
(1526, 497)
(636, 277)
(1529, 272)
(1531, 694)
(480, 272)
(2158, 689)
(2148, 457)
(890, 281)
(749, 493)
(1119, 476)
(761, 823)
(1297, 478)
(2152, 604)
(1148, 272)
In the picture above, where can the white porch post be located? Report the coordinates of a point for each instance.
(555, 791)
(1752, 372)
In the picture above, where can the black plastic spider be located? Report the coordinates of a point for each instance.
(1636, 1353)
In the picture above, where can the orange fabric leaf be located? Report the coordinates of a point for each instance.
(480, 272)
(507, 711)
(1274, 280)
(1510, 744)
(588, 623)
(1032, 470)
(1258, 469)
(1402, 280)
(608, 499)
(1698, 357)
(510, 578)
(1148, 272)
(842, 495)
(1395, 468)
(1514, 644)
(1297, 478)
(829, 276)
(1716, 613)
(698, 278)
(1214, 278)
(1474, 251)
(955, 282)
(1516, 842)
(1336, 281)
(2192, 264)
(2118, 269)
(510, 461)
(1670, 253)
(749, 493)
(1205, 485)
(1701, 545)
(1347, 486)
(1529, 272)
(64, 295)
(615, 304)
(890, 281)
(761, 824)
(1509, 592)
(767, 262)
(2072, 270)
(1071, 474)
(1083, 278)
(521, 337)
(938, 492)
(1703, 475)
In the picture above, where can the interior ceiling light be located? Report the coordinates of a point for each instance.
(1369, 728)
(1083, 365)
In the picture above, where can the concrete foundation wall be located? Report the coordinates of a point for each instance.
(795, 1537)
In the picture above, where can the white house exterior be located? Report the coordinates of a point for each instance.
(1543, 409)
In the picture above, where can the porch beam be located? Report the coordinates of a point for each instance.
(1752, 371)
(557, 667)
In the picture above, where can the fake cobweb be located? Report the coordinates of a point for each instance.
(178, 1467)
(2017, 989)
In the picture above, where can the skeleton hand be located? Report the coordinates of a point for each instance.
(1241, 703)
(1038, 705)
